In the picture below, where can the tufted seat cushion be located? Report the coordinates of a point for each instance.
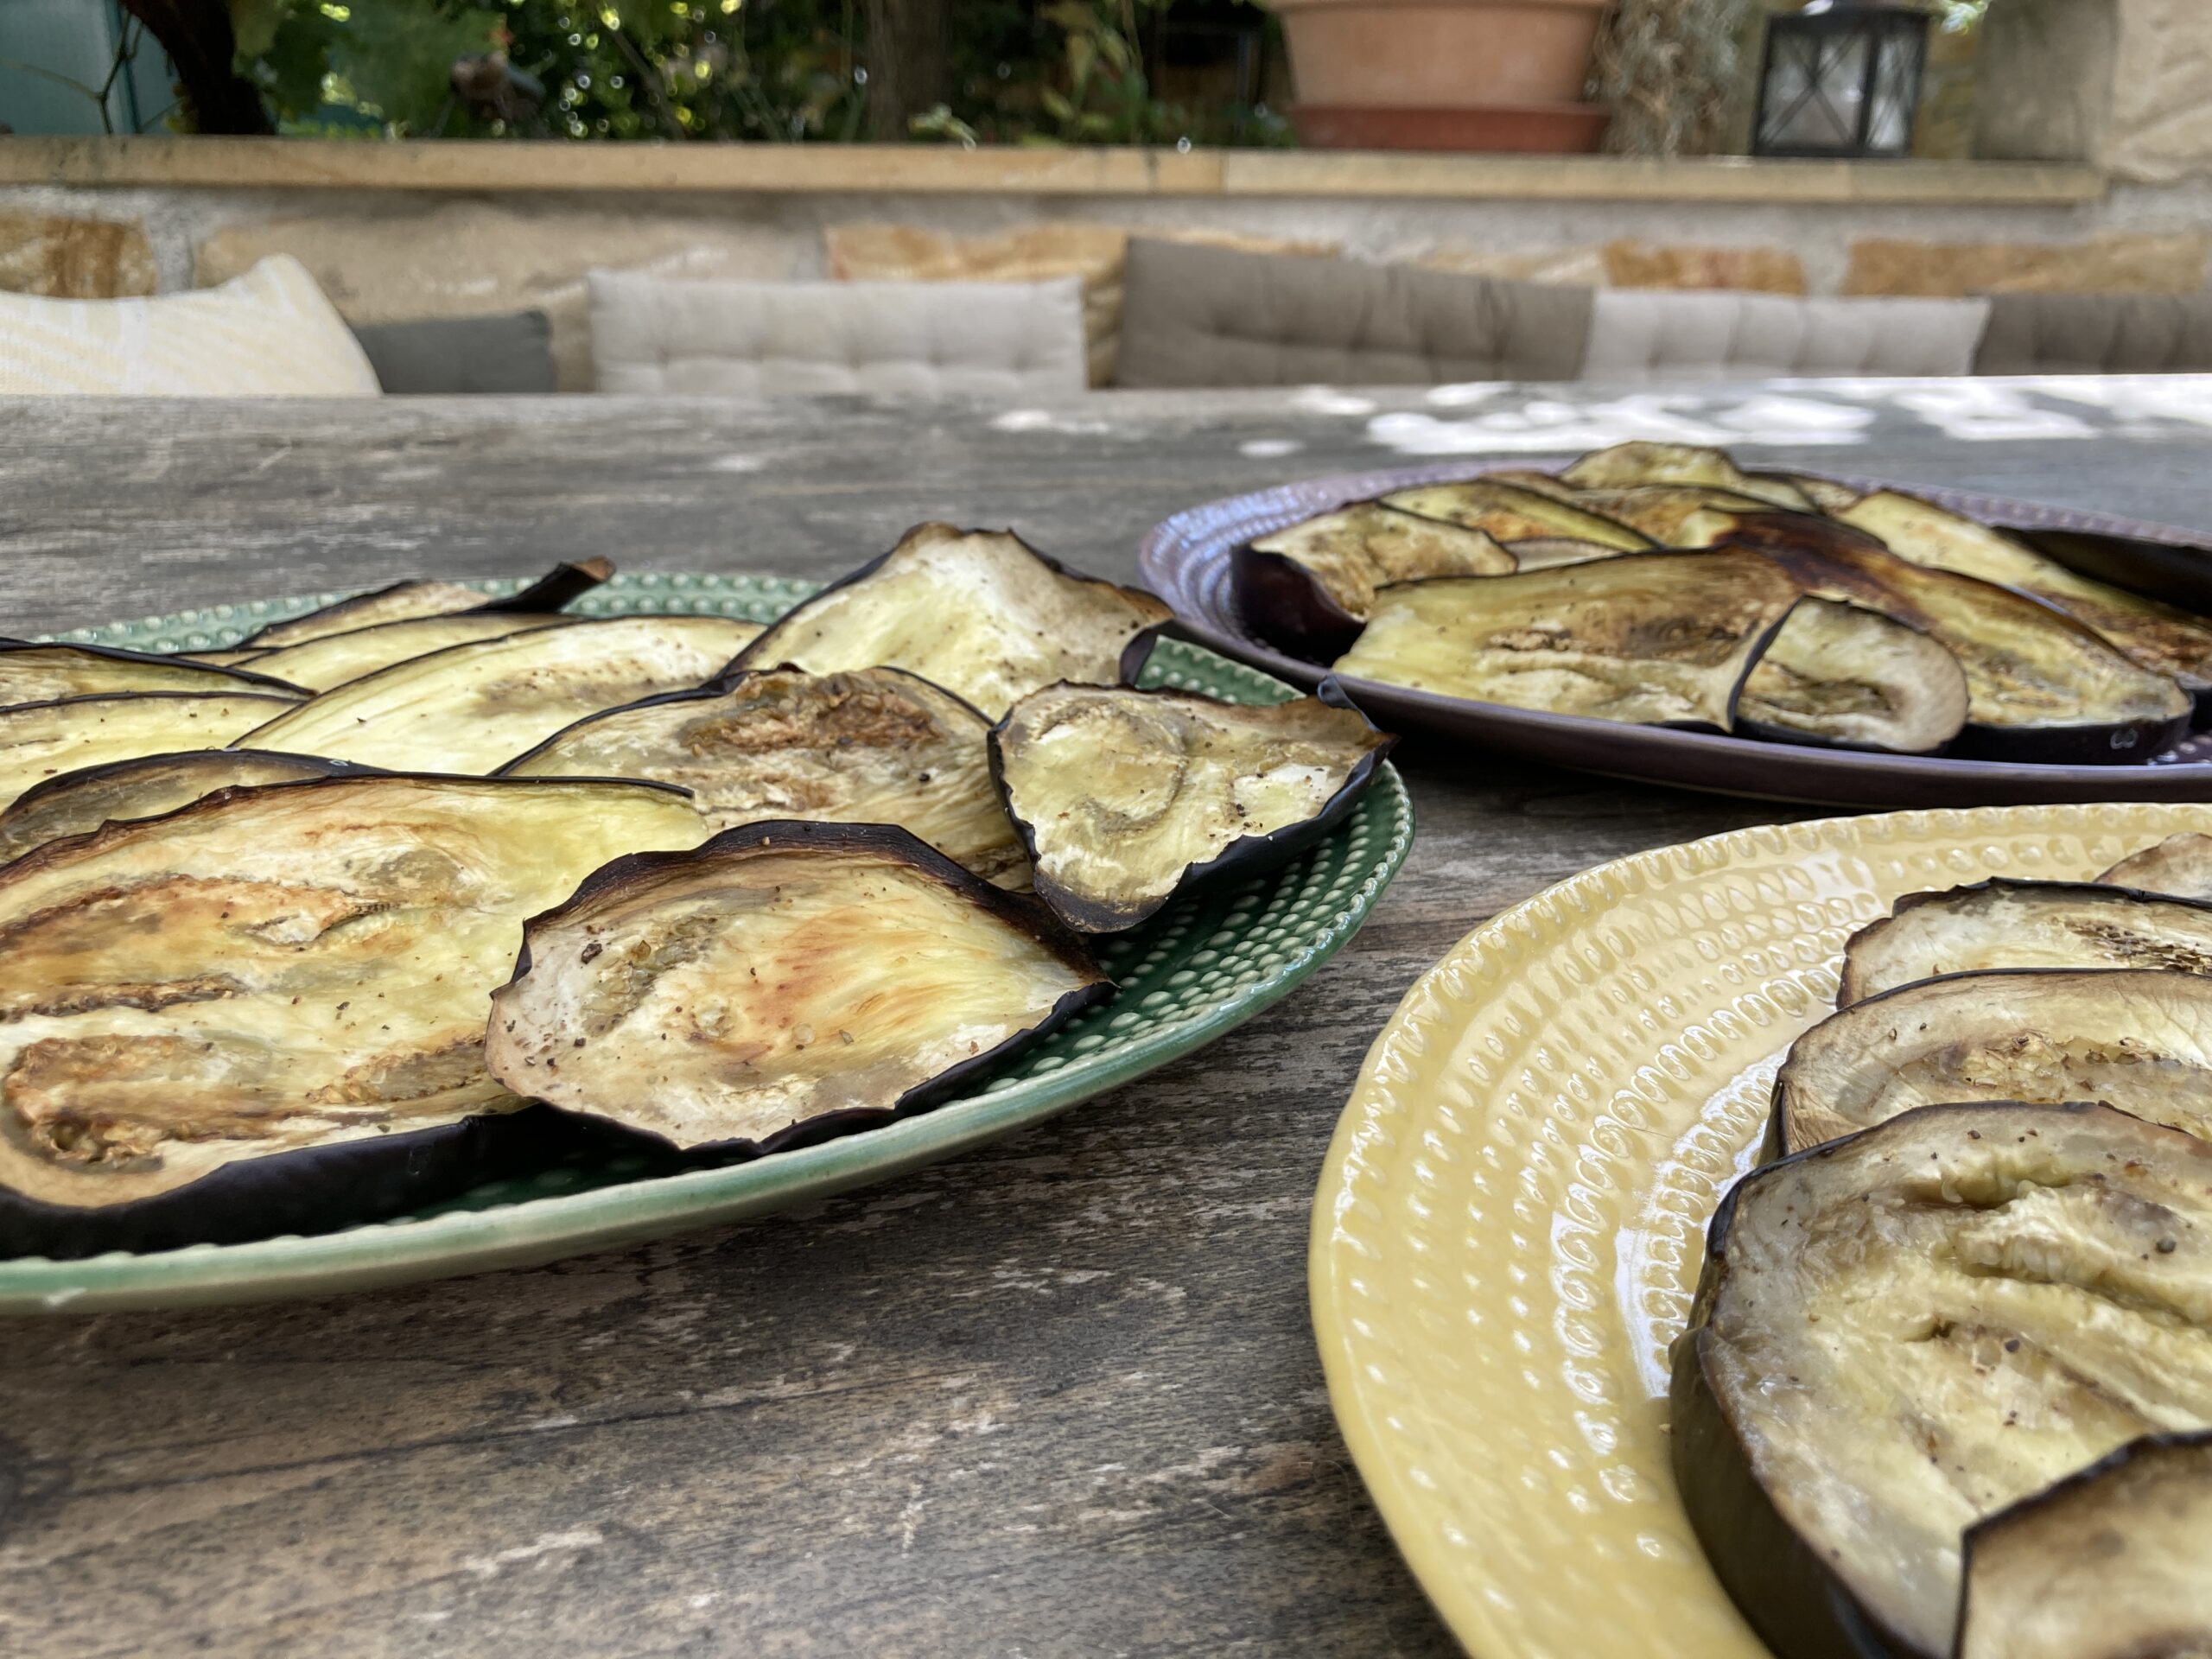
(1637, 335)
(1197, 316)
(268, 332)
(1002, 340)
(2097, 334)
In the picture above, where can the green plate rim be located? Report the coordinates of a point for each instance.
(538, 1230)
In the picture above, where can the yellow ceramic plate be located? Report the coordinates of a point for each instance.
(1511, 1219)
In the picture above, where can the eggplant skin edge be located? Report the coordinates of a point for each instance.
(1018, 911)
(1288, 607)
(313, 1189)
(1135, 654)
(1758, 1557)
(246, 680)
(1247, 855)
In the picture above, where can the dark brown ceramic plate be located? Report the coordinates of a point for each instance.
(1185, 562)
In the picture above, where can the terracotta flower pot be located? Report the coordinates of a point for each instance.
(1443, 55)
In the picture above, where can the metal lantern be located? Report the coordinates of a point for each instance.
(1841, 79)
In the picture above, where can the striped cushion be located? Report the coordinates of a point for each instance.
(269, 332)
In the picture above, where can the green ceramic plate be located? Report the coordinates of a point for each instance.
(1197, 969)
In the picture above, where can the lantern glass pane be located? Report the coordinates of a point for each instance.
(1896, 73)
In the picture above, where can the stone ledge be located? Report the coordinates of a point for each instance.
(305, 163)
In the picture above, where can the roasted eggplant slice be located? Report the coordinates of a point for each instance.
(1825, 494)
(784, 979)
(1128, 798)
(2042, 686)
(1509, 513)
(2138, 1039)
(2180, 865)
(401, 599)
(2153, 636)
(1660, 510)
(1901, 1334)
(335, 659)
(1309, 587)
(266, 1010)
(2109, 1563)
(2175, 572)
(472, 709)
(224, 659)
(39, 740)
(1654, 639)
(871, 745)
(984, 615)
(1628, 466)
(1548, 552)
(2002, 923)
(78, 803)
(32, 673)
(1847, 677)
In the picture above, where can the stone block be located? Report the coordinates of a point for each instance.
(2146, 262)
(472, 259)
(1631, 263)
(64, 259)
(2161, 91)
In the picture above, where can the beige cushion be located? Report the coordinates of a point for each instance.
(1648, 336)
(268, 332)
(866, 252)
(2097, 334)
(1209, 317)
(998, 340)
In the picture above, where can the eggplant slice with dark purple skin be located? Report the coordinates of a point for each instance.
(2108, 1563)
(1128, 799)
(2175, 573)
(1843, 677)
(78, 803)
(867, 746)
(2138, 1039)
(39, 740)
(2002, 923)
(1509, 513)
(265, 1011)
(2153, 636)
(473, 708)
(335, 659)
(1904, 1332)
(982, 614)
(2180, 865)
(1637, 465)
(35, 672)
(401, 599)
(1309, 587)
(783, 981)
(2044, 687)
(1652, 639)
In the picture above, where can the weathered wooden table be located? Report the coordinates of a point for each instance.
(1055, 1398)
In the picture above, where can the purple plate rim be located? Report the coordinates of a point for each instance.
(1184, 560)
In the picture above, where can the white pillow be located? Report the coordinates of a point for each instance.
(1641, 334)
(268, 332)
(909, 340)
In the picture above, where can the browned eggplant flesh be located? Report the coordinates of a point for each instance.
(1307, 589)
(1657, 638)
(784, 979)
(1510, 514)
(1903, 1333)
(984, 615)
(41, 741)
(1847, 677)
(78, 803)
(34, 672)
(2138, 1038)
(202, 1008)
(2180, 865)
(2108, 1563)
(2002, 923)
(473, 708)
(862, 746)
(1128, 798)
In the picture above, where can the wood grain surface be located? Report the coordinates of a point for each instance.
(1059, 1397)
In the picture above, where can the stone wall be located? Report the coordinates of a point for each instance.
(385, 254)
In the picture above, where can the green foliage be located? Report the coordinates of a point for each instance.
(1063, 72)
